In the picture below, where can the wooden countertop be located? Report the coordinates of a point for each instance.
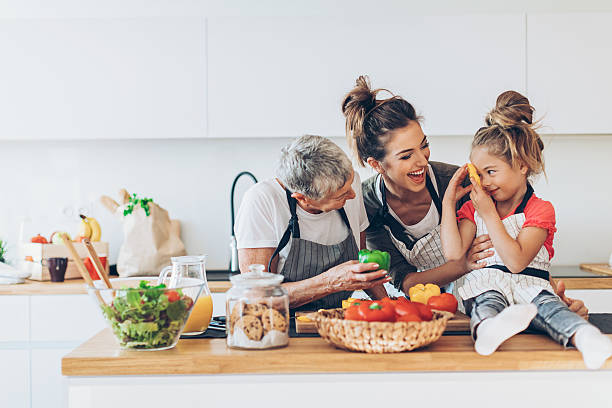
(573, 276)
(101, 356)
(75, 287)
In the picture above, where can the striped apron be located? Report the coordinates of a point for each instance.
(516, 287)
(424, 253)
(307, 259)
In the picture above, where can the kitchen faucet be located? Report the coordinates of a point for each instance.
(234, 266)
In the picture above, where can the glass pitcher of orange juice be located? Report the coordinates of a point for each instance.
(191, 267)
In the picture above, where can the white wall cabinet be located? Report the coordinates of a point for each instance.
(73, 318)
(14, 378)
(49, 387)
(568, 70)
(106, 78)
(280, 77)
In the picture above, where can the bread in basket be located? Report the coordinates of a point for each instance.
(378, 337)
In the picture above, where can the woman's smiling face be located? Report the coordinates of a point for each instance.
(406, 159)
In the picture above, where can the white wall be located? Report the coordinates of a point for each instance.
(192, 179)
(45, 180)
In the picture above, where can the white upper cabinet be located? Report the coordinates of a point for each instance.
(107, 78)
(569, 71)
(279, 77)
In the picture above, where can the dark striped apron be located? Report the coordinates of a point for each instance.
(307, 259)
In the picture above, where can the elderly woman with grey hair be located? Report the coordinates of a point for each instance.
(308, 224)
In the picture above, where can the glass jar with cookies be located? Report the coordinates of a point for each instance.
(257, 310)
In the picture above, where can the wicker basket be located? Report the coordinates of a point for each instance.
(378, 337)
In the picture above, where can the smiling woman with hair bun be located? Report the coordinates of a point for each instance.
(404, 200)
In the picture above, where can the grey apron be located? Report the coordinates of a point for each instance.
(307, 259)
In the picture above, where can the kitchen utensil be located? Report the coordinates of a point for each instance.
(57, 268)
(95, 260)
(145, 317)
(191, 267)
(234, 266)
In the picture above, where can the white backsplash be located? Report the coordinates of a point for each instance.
(48, 181)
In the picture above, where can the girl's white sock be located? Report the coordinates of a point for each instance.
(492, 332)
(595, 347)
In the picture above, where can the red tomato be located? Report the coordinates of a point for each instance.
(424, 311)
(377, 312)
(410, 317)
(172, 296)
(445, 301)
(352, 313)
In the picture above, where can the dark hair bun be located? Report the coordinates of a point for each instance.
(511, 109)
(360, 98)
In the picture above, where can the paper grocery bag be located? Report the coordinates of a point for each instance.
(148, 241)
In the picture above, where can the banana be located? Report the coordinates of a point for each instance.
(84, 228)
(96, 231)
(90, 228)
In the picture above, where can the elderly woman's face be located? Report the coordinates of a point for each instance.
(407, 157)
(336, 200)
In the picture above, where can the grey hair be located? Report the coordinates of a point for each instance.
(314, 166)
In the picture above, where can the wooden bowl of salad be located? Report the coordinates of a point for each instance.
(144, 315)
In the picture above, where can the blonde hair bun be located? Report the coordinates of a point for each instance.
(511, 109)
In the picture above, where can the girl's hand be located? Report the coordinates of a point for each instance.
(454, 190)
(483, 203)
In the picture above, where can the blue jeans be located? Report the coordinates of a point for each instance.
(553, 317)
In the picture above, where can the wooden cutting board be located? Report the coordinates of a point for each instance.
(597, 268)
(458, 323)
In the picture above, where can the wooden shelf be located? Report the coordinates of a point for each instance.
(101, 356)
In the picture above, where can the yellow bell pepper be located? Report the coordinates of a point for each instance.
(346, 303)
(421, 293)
(473, 173)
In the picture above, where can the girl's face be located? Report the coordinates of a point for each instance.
(497, 177)
(405, 163)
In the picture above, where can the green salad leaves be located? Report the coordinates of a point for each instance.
(148, 316)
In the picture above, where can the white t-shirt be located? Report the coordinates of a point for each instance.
(264, 216)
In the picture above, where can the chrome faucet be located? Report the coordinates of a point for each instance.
(234, 266)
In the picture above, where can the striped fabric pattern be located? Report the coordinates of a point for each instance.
(517, 288)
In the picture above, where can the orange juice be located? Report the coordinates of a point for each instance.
(200, 315)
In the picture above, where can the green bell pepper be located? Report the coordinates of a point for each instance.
(382, 258)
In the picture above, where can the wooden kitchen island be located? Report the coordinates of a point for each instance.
(528, 369)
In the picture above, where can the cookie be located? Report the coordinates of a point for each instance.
(235, 315)
(274, 320)
(254, 309)
(251, 326)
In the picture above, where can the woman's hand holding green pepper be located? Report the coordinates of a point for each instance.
(382, 258)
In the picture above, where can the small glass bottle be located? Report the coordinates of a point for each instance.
(257, 310)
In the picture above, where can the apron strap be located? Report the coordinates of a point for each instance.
(523, 204)
(396, 228)
(293, 229)
(345, 219)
